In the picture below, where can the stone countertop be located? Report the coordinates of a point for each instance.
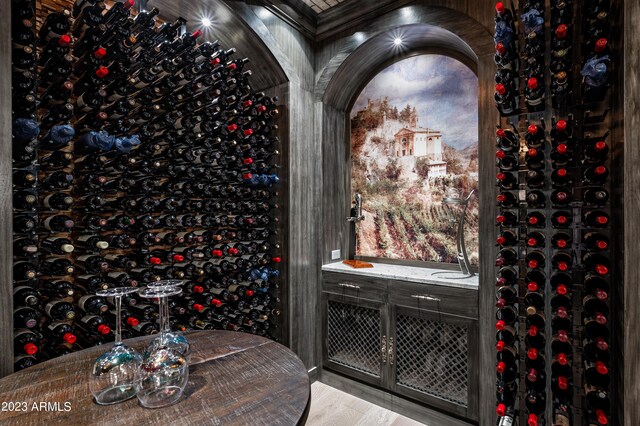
(406, 273)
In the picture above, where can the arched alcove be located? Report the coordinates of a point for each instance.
(346, 64)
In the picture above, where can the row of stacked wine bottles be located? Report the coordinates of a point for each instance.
(553, 227)
(139, 154)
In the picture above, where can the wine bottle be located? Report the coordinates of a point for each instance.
(92, 304)
(534, 95)
(507, 239)
(561, 219)
(60, 332)
(595, 219)
(561, 240)
(506, 101)
(25, 342)
(57, 245)
(536, 219)
(507, 219)
(535, 260)
(25, 296)
(57, 289)
(92, 263)
(59, 310)
(24, 271)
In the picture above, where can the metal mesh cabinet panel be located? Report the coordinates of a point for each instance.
(353, 337)
(432, 358)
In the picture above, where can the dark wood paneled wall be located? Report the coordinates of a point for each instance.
(630, 411)
(6, 216)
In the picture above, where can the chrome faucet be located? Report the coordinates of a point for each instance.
(356, 211)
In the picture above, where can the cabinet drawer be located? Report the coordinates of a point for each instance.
(435, 298)
(357, 286)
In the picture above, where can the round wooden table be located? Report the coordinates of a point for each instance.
(234, 379)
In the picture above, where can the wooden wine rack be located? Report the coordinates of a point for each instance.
(587, 120)
(276, 289)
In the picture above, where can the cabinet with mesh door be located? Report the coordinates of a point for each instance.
(416, 349)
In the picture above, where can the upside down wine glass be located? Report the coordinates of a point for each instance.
(163, 374)
(112, 378)
(168, 338)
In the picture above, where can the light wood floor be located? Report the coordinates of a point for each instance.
(332, 407)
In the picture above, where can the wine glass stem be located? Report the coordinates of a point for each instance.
(165, 326)
(118, 339)
(163, 303)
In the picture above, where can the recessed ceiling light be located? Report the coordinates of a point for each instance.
(397, 41)
(206, 22)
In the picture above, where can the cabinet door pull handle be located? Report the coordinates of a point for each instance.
(425, 297)
(383, 349)
(349, 285)
(391, 355)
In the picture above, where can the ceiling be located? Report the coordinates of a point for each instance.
(322, 5)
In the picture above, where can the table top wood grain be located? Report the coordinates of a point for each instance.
(234, 379)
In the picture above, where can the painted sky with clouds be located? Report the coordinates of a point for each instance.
(443, 90)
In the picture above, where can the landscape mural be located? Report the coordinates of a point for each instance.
(414, 135)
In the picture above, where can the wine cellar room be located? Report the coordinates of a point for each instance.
(320, 212)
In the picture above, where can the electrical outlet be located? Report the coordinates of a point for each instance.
(335, 254)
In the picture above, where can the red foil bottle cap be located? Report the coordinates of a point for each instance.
(232, 127)
(501, 281)
(532, 242)
(532, 420)
(102, 72)
(501, 240)
(501, 410)
(215, 61)
(276, 260)
(233, 251)
(501, 367)
(501, 176)
(561, 196)
(561, 31)
(601, 319)
(100, 52)
(132, 321)
(563, 336)
(30, 348)
(561, 289)
(500, 132)
(262, 108)
(500, 7)
(500, 48)
(198, 307)
(247, 161)
(533, 331)
(501, 303)
(532, 353)
(248, 132)
(64, 40)
(217, 303)
(500, 346)
(233, 66)
(602, 344)
(249, 293)
(533, 264)
(562, 172)
(501, 89)
(69, 338)
(500, 325)
(561, 243)
(532, 83)
(563, 266)
(197, 34)
(602, 417)
(601, 294)
(602, 270)
(216, 253)
(562, 149)
(129, 4)
(602, 220)
(532, 286)
(599, 146)
(562, 219)
(532, 129)
(532, 152)
(501, 198)
(562, 359)
(247, 176)
(155, 261)
(533, 220)
(247, 103)
(602, 245)
(500, 219)
(601, 368)
(601, 44)
(561, 125)
(178, 258)
(563, 383)
(198, 289)
(500, 154)
(104, 329)
(532, 375)
(600, 170)
(562, 312)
